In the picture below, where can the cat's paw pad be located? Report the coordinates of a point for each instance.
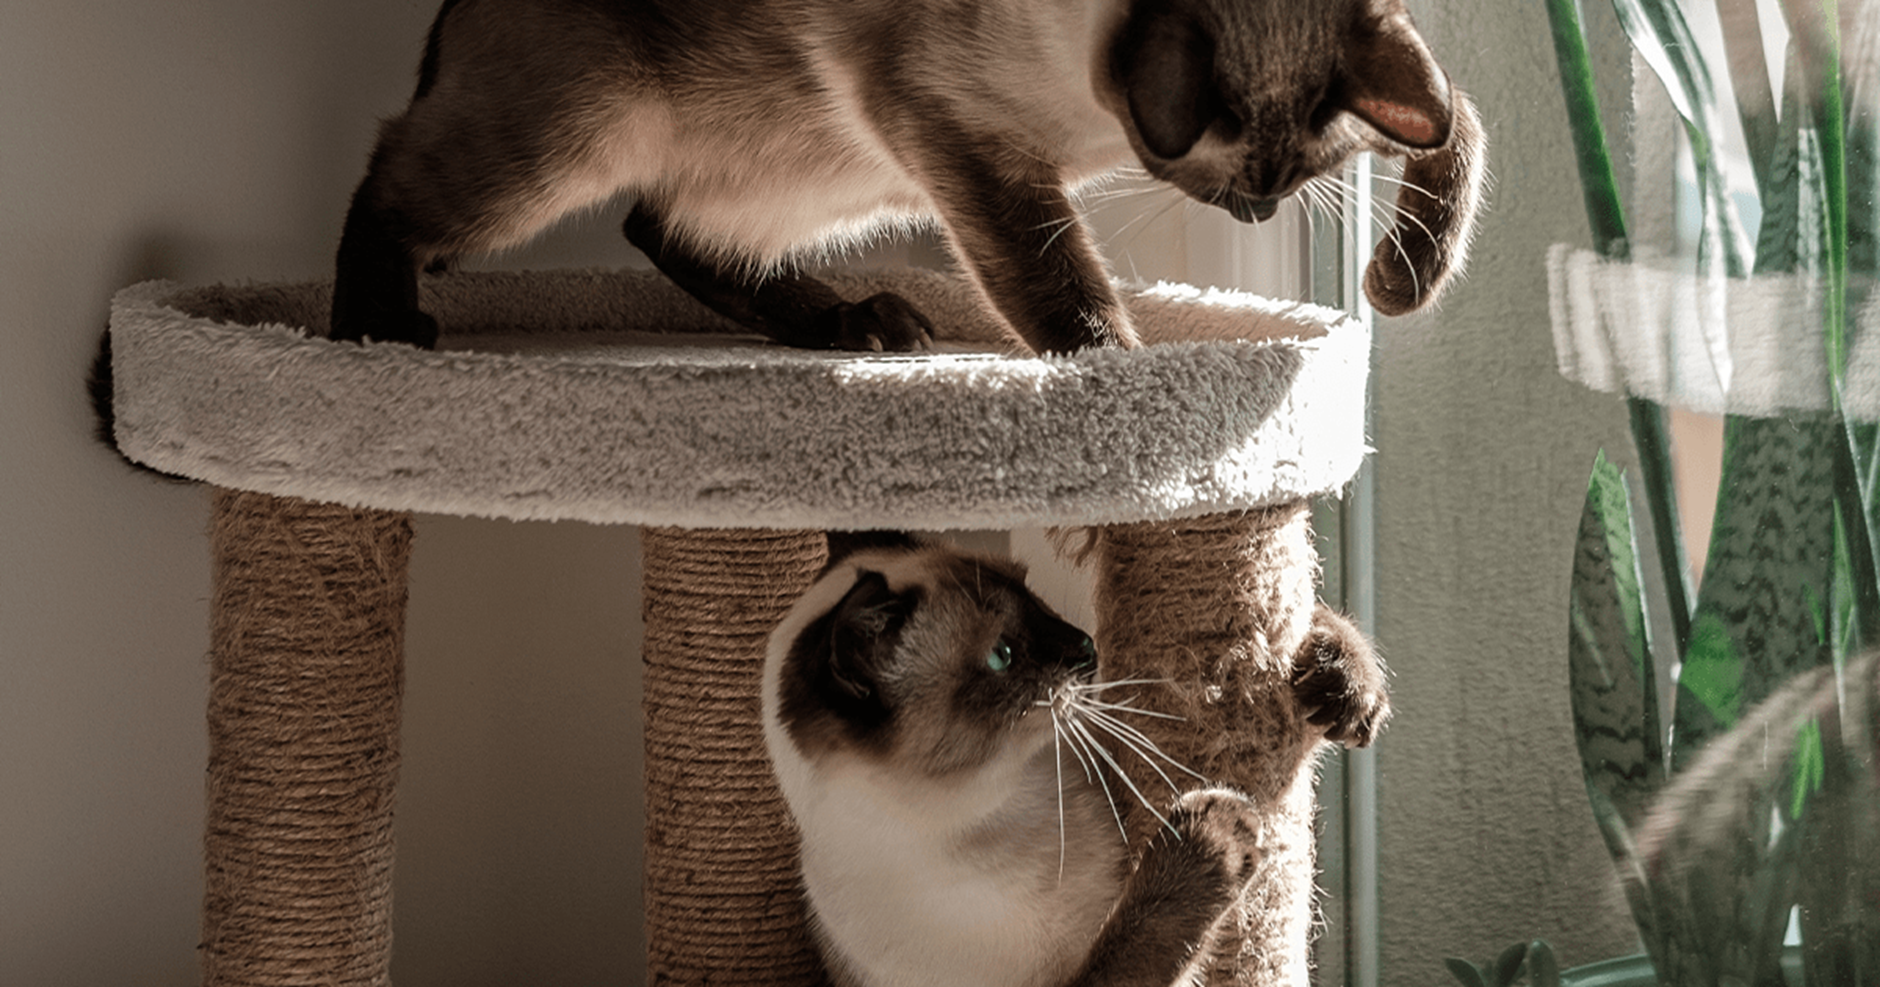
(415, 328)
(1340, 681)
(883, 323)
(1220, 824)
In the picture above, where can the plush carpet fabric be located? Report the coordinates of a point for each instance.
(614, 398)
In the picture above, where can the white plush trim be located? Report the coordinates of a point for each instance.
(603, 397)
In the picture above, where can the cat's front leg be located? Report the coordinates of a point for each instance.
(791, 308)
(1340, 681)
(1014, 227)
(1176, 902)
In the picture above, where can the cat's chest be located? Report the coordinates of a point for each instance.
(907, 901)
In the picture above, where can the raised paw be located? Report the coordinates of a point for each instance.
(883, 323)
(1219, 823)
(1340, 681)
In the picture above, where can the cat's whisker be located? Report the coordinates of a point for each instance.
(1057, 756)
(1101, 686)
(1143, 747)
(1124, 707)
(1077, 732)
(1136, 746)
(1123, 776)
(1062, 226)
(1058, 724)
(1146, 219)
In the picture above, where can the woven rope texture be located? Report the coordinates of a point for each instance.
(1216, 606)
(305, 685)
(723, 902)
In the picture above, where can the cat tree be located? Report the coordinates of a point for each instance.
(615, 400)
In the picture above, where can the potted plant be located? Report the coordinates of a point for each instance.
(1741, 816)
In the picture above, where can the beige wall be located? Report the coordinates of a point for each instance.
(1483, 456)
(218, 139)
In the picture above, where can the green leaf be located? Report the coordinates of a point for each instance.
(1466, 972)
(1508, 965)
(1614, 694)
(1543, 968)
(1810, 768)
(1713, 670)
(1664, 41)
(1771, 562)
(1597, 184)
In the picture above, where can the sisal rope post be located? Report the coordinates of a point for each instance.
(306, 676)
(1217, 606)
(724, 905)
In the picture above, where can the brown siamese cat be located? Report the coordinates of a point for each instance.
(752, 133)
(940, 737)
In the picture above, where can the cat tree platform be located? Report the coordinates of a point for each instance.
(615, 399)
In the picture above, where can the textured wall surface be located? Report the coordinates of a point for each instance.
(218, 140)
(1483, 454)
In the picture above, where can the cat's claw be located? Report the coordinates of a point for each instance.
(1340, 681)
(883, 323)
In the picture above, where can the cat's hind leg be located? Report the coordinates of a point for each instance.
(787, 306)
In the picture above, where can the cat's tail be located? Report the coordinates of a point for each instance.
(1436, 210)
(99, 387)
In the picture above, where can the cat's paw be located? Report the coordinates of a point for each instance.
(1340, 681)
(883, 323)
(1219, 825)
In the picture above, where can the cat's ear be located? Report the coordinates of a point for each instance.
(863, 630)
(1394, 84)
(1164, 63)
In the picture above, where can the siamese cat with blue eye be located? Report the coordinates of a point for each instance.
(949, 757)
(752, 134)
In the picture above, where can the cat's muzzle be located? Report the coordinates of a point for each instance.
(1248, 209)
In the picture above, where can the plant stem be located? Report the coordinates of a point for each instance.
(1606, 216)
(1597, 184)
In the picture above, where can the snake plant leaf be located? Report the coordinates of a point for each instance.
(1466, 972)
(1749, 77)
(1614, 696)
(1543, 968)
(1508, 965)
(1793, 234)
(1664, 42)
(1770, 567)
(1598, 186)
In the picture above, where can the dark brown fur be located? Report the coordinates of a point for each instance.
(750, 131)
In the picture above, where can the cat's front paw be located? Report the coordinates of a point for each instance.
(1219, 824)
(883, 323)
(1340, 681)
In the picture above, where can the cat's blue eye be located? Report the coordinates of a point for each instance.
(1000, 657)
(1088, 654)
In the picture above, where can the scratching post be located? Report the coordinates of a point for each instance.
(720, 847)
(1217, 605)
(307, 671)
(616, 399)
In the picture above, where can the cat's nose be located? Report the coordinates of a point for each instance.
(1248, 209)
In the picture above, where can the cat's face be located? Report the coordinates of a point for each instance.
(930, 662)
(1240, 103)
